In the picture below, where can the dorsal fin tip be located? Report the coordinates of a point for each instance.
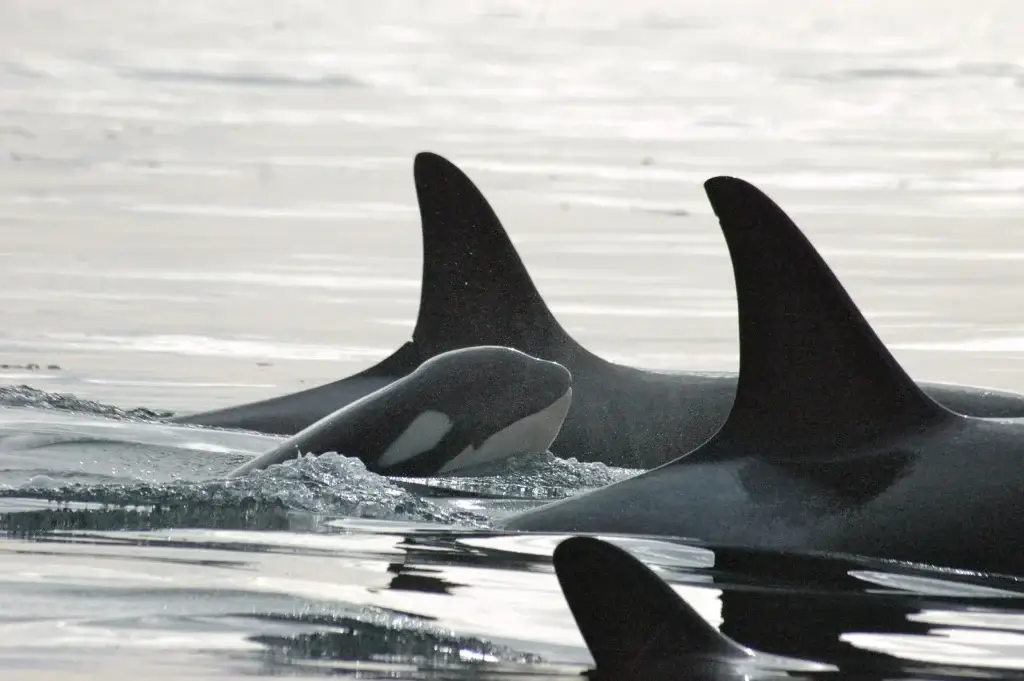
(812, 370)
(476, 290)
(423, 157)
(628, 615)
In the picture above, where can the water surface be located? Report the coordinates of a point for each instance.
(206, 203)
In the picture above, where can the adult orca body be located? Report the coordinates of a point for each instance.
(459, 409)
(829, 446)
(637, 627)
(476, 291)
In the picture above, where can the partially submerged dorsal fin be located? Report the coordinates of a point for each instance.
(476, 290)
(813, 377)
(627, 615)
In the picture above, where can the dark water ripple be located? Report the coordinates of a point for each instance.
(254, 79)
(27, 396)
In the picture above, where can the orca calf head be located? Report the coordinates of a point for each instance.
(480, 405)
(457, 410)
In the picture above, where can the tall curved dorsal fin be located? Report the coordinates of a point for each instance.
(814, 378)
(627, 615)
(476, 290)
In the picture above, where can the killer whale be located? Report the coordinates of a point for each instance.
(457, 410)
(637, 627)
(830, 446)
(476, 291)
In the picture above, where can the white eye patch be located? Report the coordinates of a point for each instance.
(420, 436)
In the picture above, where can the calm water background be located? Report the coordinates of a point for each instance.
(203, 203)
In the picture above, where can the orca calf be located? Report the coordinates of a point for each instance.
(476, 291)
(637, 627)
(829, 446)
(458, 409)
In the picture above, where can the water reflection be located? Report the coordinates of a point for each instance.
(324, 594)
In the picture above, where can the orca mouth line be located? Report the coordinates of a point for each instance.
(532, 434)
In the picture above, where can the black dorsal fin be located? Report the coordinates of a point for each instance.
(814, 378)
(476, 290)
(628, 616)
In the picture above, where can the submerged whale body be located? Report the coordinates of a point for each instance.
(459, 409)
(829, 446)
(637, 627)
(476, 291)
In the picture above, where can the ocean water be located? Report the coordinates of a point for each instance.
(204, 203)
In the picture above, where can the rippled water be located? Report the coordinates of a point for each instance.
(179, 585)
(203, 203)
(160, 569)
